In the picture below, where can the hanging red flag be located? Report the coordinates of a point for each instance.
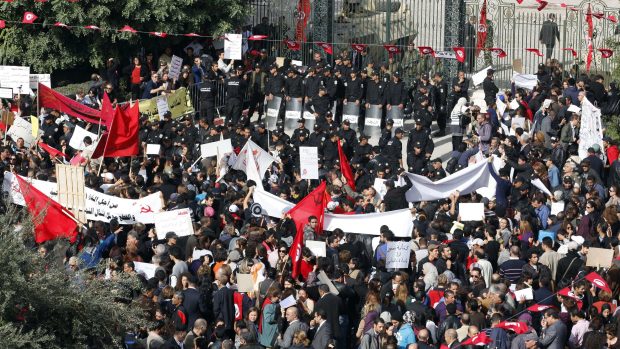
(292, 45)
(238, 300)
(598, 281)
(534, 51)
(542, 5)
(598, 15)
(479, 339)
(519, 2)
(498, 52)
(107, 112)
(572, 51)
(312, 205)
(302, 15)
(60, 24)
(257, 37)
(327, 48)
(612, 18)
(566, 292)
(517, 327)
(345, 168)
(127, 28)
(92, 27)
(605, 52)
(29, 18)
(50, 219)
(572, 8)
(426, 50)
(159, 34)
(482, 28)
(49, 98)
(589, 39)
(460, 53)
(255, 53)
(52, 151)
(539, 307)
(2, 24)
(392, 49)
(122, 137)
(191, 35)
(563, 5)
(359, 47)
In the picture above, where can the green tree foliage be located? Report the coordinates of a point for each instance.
(43, 305)
(46, 48)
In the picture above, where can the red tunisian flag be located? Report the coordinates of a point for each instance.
(312, 205)
(482, 28)
(107, 112)
(302, 14)
(605, 52)
(589, 38)
(460, 53)
(567, 292)
(534, 51)
(292, 45)
(49, 98)
(572, 51)
(50, 150)
(598, 281)
(479, 339)
(50, 219)
(498, 52)
(345, 168)
(392, 49)
(327, 48)
(29, 18)
(238, 301)
(539, 307)
(517, 327)
(359, 47)
(426, 50)
(122, 137)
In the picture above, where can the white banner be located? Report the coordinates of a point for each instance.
(175, 67)
(177, 221)
(261, 157)
(465, 181)
(162, 106)
(15, 77)
(590, 131)
(272, 205)
(398, 253)
(44, 79)
(233, 44)
(400, 222)
(214, 148)
(309, 162)
(445, 54)
(480, 76)
(77, 139)
(21, 129)
(528, 81)
(99, 206)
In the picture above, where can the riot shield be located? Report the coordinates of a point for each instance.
(273, 110)
(372, 124)
(292, 114)
(351, 112)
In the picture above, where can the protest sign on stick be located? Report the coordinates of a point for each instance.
(398, 253)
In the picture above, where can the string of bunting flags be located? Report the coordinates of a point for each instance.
(294, 45)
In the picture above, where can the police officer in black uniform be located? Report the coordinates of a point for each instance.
(235, 91)
(257, 80)
(417, 160)
(394, 150)
(274, 87)
(349, 138)
(437, 172)
(320, 104)
(421, 135)
(208, 93)
(301, 129)
(440, 101)
(386, 134)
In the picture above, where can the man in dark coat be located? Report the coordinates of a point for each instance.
(333, 307)
(489, 87)
(223, 304)
(549, 33)
(395, 199)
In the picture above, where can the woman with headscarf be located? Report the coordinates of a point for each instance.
(430, 275)
(457, 124)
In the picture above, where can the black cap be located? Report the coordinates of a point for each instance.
(346, 122)
(417, 144)
(418, 120)
(390, 122)
(261, 124)
(436, 160)
(363, 136)
(263, 50)
(399, 130)
(301, 120)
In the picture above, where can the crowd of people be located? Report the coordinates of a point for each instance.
(462, 279)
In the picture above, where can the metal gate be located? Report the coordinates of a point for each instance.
(516, 27)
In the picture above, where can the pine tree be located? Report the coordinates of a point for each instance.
(43, 305)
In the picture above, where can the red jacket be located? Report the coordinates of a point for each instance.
(612, 154)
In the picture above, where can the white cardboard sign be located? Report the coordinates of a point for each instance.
(318, 248)
(77, 139)
(471, 211)
(177, 221)
(233, 46)
(398, 253)
(309, 162)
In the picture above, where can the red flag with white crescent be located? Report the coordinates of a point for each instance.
(598, 281)
(302, 14)
(605, 52)
(91, 27)
(426, 50)
(327, 48)
(498, 52)
(589, 38)
(572, 51)
(159, 34)
(517, 327)
(392, 49)
(539, 307)
(460, 53)
(257, 37)
(479, 339)
(598, 15)
(60, 24)
(612, 19)
(127, 29)
(566, 292)
(292, 45)
(541, 5)
(359, 47)
(482, 28)
(29, 18)
(534, 51)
